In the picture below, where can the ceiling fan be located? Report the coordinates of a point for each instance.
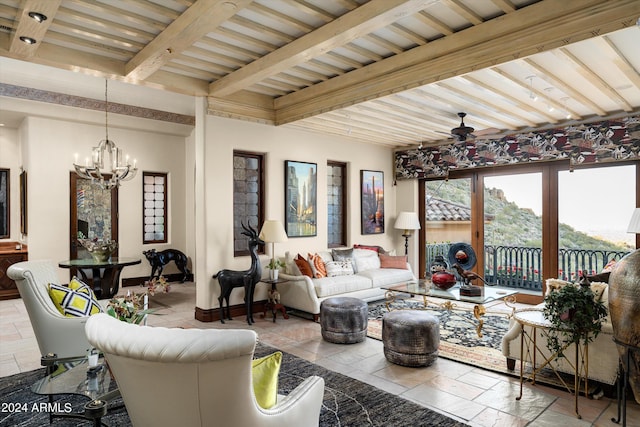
(463, 131)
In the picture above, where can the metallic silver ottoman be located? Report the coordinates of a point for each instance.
(410, 337)
(343, 320)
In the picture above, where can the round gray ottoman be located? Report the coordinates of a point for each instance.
(410, 337)
(343, 320)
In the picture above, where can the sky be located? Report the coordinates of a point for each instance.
(598, 201)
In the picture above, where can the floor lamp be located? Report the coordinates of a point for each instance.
(273, 232)
(407, 221)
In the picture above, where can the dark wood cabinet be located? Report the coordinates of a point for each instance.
(10, 255)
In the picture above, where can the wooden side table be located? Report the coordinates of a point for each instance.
(273, 300)
(532, 320)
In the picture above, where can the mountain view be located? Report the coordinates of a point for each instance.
(512, 225)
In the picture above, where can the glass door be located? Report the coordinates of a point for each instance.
(513, 231)
(594, 209)
(448, 218)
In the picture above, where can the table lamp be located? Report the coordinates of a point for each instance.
(273, 232)
(407, 221)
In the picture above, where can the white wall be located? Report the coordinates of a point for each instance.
(49, 146)
(280, 144)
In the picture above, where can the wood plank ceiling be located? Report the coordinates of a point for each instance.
(391, 72)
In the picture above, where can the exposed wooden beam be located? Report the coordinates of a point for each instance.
(361, 21)
(513, 99)
(524, 86)
(29, 27)
(505, 5)
(461, 9)
(201, 18)
(546, 75)
(594, 79)
(529, 30)
(621, 62)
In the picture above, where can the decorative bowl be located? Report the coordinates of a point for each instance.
(100, 250)
(443, 280)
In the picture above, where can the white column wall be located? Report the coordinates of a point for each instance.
(280, 144)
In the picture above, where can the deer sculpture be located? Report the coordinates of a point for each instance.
(247, 279)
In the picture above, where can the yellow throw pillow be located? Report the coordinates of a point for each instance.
(75, 300)
(265, 379)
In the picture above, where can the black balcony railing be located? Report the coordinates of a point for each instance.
(521, 267)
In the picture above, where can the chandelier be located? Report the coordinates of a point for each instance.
(92, 168)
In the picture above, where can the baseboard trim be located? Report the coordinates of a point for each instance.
(137, 281)
(238, 312)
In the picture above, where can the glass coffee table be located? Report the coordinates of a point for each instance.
(427, 290)
(75, 376)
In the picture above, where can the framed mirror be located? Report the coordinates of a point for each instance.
(94, 213)
(4, 204)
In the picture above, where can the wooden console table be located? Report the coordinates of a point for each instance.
(10, 253)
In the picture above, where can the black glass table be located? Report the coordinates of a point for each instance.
(105, 275)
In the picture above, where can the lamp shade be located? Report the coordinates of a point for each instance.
(273, 232)
(634, 224)
(407, 221)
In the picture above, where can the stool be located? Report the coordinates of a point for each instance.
(343, 320)
(410, 337)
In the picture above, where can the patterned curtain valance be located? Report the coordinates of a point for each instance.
(610, 140)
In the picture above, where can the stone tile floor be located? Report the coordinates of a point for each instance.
(476, 396)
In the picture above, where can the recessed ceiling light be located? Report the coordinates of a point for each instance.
(39, 17)
(28, 40)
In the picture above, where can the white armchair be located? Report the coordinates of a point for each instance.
(54, 332)
(194, 377)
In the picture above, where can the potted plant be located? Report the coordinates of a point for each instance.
(274, 266)
(575, 315)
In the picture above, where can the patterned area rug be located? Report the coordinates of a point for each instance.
(347, 402)
(458, 338)
(460, 342)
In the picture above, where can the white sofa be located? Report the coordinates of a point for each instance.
(304, 293)
(603, 355)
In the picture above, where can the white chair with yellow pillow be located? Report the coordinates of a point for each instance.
(59, 325)
(200, 377)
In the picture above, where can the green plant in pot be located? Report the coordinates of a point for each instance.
(274, 266)
(575, 315)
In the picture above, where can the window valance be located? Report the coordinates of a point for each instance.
(604, 141)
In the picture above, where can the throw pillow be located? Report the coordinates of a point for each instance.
(555, 284)
(387, 261)
(598, 289)
(317, 265)
(342, 254)
(367, 263)
(264, 372)
(370, 247)
(339, 268)
(303, 266)
(75, 300)
(290, 265)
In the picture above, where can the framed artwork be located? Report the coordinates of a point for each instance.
(4, 203)
(372, 201)
(23, 203)
(301, 190)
